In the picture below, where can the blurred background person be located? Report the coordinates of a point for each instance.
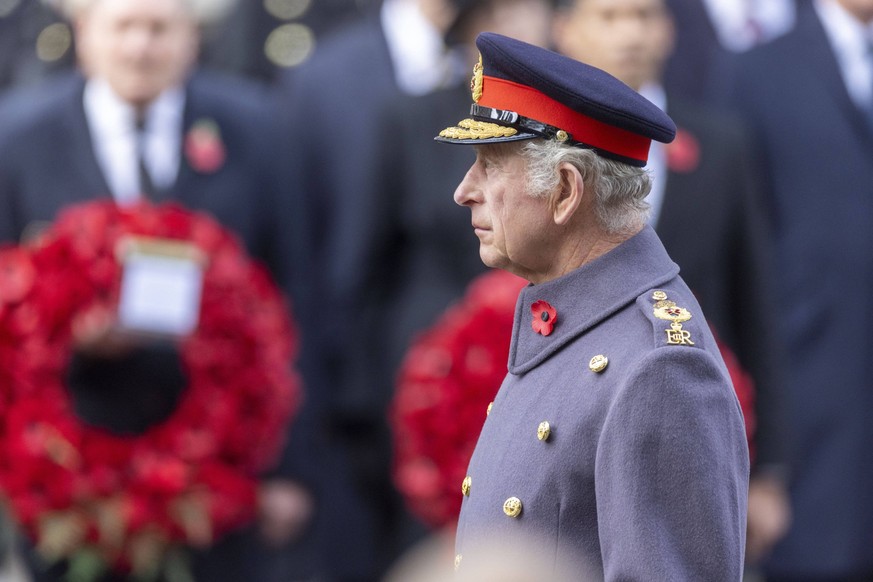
(334, 101)
(34, 41)
(437, 258)
(262, 38)
(710, 32)
(257, 39)
(377, 87)
(706, 207)
(809, 96)
(118, 130)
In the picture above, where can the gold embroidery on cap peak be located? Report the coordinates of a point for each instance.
(477, 80)
(472, 129)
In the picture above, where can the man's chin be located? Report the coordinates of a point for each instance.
(490, 259)
(137, 94)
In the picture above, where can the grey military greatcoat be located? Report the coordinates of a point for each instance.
(616, 441)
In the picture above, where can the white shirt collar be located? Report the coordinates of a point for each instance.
(730, 18)
(108, 114)
(850, 40)
(111, 122)
(416, 47)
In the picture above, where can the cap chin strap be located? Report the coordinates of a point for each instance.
(506, 117)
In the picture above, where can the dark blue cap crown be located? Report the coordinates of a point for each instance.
(522, 91)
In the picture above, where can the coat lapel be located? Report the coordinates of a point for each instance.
(81, 147)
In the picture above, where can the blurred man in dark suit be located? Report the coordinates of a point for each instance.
(809, 98)
(437, 258)
(335, 101)
(709, 33)
(384, 216)
(706, 209)
(122, 130)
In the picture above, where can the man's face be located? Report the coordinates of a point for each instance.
(526, 20)
(140, 47)
(630, 39)
(860, 9)
(513, 227)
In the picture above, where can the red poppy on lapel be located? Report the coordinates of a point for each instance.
(683, 154)
(204, 149)
(544, 317)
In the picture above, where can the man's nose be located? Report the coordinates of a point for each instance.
(467, 191)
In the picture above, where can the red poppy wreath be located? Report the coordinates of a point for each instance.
(85, 494)
(450, 375)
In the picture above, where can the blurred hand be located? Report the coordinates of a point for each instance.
(94, 334)
(769, 516)
(285, 509)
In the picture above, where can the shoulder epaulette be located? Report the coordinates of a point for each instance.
(668, 319)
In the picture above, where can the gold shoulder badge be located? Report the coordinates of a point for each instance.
(676, 336)
(476, 81)
(473, 129)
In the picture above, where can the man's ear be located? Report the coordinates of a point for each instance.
(569, 194)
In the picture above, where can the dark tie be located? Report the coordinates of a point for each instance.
(146, 186)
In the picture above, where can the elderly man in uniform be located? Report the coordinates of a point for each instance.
(616, 439)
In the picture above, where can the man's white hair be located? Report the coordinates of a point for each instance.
(203, 11)
(619, 189)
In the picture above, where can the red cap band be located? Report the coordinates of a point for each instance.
(528, 102)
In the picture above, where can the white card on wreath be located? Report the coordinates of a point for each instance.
(161, 284)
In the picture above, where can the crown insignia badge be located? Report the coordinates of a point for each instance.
(669, 311)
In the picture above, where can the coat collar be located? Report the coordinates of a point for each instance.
(587, 296)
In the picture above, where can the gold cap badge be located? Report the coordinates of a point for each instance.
(477, 81)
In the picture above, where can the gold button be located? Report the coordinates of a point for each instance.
(490, 406)
(562, 135)
(465, 486)
(598, 363)
(659, 295)
(458, 562)
(544, 430)
(512, 507)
